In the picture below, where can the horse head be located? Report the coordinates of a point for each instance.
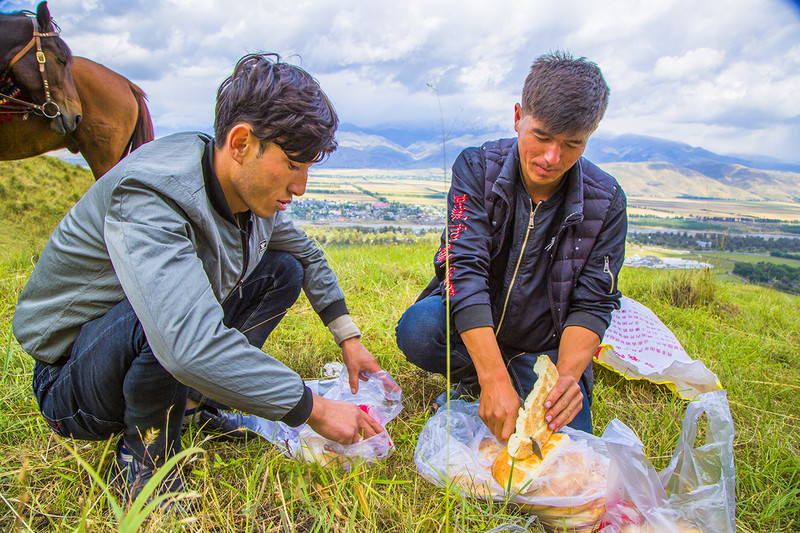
(35, 59)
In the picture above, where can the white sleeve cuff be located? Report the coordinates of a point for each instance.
(343, 328)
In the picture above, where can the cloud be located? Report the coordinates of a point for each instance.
(694, 64)
(723, 74)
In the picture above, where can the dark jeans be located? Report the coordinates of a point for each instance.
(111, 382)
(421, 336)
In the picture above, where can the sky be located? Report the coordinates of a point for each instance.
(721, 75)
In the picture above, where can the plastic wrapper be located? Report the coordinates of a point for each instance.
(597, 483)
(638, 345)
(568, 495)
(379, 396)
(696, 492)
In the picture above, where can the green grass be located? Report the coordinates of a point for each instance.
(749, 336)
(34, 195)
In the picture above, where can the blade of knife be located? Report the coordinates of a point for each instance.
(537, 450)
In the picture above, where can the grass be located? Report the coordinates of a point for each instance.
(749, 336)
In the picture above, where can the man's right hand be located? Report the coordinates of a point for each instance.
(500, 403)
(499, 409)
(341, 422)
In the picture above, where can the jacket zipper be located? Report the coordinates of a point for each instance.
(607, 270)
(245, 255)
(519, 262)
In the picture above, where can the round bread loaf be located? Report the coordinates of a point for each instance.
(516, 474)
(530, 421)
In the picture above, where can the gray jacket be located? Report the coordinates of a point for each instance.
(148, 231)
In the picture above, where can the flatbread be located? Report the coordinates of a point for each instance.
(530, 421)
(515, 474)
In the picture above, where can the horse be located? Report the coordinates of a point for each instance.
(115, 121)
(35, 65)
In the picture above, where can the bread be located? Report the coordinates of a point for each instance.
(313, 449)
(530, 421)
(517, 475)
(488, 450)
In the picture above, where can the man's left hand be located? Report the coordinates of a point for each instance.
(357, 359)
(563, 403)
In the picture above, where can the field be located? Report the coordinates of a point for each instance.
(668, 208)
(749, 336)
(385, 188)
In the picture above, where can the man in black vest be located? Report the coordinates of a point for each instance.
(530, 256)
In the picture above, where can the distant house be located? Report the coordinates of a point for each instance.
(649, 261)
(703, 244)
(380, 204)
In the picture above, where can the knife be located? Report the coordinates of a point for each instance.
(537, 450)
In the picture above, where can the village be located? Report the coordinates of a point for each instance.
(369, 213)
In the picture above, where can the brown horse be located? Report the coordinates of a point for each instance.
(35, 75)
(115, 122)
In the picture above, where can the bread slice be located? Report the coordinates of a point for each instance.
(530, 421)
(517, 475)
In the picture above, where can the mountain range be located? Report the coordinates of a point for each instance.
(645, 166)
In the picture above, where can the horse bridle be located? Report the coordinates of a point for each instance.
(49, 108)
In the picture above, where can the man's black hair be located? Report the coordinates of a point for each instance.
(282, 103)
(567, 95)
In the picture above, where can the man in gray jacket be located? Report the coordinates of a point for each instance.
(174, 268)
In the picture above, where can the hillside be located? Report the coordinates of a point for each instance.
(34, 195)
(646, 166)
(732, 182)
(747, 335)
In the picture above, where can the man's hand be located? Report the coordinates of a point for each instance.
(341, 422)
(578, 346)
(563, 403)
(357, 359)
(499, 409)
(499, 400)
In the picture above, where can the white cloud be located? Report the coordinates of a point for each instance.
(698, 63)
(724, 73)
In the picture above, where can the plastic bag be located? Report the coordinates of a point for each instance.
(696, 492)
(567, 496)
(639, 346)
(623, 493)
(379, 396)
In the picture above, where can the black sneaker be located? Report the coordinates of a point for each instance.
(225, 425)
(131, 475)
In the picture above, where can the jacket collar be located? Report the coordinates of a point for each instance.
(213, 188)
(510, 175)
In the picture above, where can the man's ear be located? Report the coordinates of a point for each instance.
(239, 141)
(517, 116)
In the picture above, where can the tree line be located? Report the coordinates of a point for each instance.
(782, 277)
(717, 241)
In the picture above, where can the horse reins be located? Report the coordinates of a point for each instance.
(49, 108)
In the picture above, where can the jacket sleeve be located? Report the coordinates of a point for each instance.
(148, 240)
(596, 293)
(464, 280)
(319, 281)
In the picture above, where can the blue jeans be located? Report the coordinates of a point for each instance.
(111, 382)
(421, 336)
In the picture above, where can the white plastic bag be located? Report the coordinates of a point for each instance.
(695, 493)
(696, 490)
(465, 457)
(639, 346)
(379, 396)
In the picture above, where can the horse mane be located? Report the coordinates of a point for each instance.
(59, 43)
